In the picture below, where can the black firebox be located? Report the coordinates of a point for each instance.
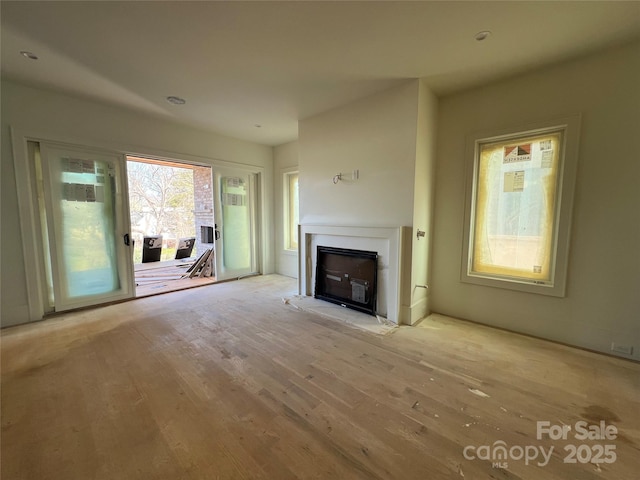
(347, 277)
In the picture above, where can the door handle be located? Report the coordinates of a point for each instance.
(127, 241)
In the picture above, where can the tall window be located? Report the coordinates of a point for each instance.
(519, 210)
(291, 211)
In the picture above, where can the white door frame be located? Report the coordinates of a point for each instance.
(121, 226)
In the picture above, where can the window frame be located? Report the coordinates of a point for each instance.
(287, 211)
(565, 186)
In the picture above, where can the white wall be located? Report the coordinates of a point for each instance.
(285, 159)
(603, 291)
(377, 136)
(389, 138)
(423, 205)
(40, 111)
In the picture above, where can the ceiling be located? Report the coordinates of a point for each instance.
(251, 70)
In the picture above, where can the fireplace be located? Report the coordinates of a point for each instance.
(388, 242)
(347, 277)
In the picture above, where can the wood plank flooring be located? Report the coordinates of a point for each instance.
(162, 277)
(229, 382)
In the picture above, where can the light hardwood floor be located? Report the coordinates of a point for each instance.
(229, 382)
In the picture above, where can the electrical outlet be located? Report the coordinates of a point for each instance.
(626, 349)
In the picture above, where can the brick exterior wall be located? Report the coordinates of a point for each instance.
(203, 197)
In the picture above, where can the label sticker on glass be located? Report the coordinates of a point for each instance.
(88, 166)
(517, 153)
(90, 193)
(68, 192)
(234, 182)
(75, 165)
(547, 159)
(537, 269)
(546, 145)
(233, 199)
(80, 192)
(514, 181)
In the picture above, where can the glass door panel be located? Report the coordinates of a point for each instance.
(85, 208)
(235, 216)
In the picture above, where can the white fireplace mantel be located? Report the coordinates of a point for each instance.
(387, 241)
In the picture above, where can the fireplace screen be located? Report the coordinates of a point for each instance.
(347, 277)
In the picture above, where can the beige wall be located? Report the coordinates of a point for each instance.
(63, 117)
(375, 135)
(602, 304)
(285, 159)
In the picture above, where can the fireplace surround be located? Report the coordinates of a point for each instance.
(387, 242)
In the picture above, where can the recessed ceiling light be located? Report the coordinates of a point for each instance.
(480, 36)
(176, 100)
(29, 55)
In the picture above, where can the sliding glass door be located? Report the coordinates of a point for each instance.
(88, 225)
(235, 250)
